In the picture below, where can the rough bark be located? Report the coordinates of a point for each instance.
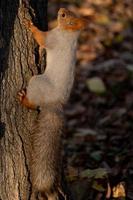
(17, 64)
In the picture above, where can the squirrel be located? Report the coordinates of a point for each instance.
(50, 92)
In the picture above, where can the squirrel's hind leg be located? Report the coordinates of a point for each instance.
(50, 196)
(53, 196)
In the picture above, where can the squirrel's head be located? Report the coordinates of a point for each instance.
(69, 21)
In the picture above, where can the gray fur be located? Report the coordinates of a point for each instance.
(46, 146)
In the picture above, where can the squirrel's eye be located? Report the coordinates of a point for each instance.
(63, 15)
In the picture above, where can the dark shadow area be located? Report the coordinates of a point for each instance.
(2, 129)
(40, 9)
(38, 12)
(8, 13)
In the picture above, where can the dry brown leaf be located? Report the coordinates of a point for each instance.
(86, 11)
(116, 26)
(119, 190)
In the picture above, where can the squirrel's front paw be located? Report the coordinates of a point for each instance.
(21, 95)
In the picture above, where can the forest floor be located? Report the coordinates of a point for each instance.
(99, 127)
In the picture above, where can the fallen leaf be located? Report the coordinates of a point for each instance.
(119, 190)
(96, 85)
(85, 132)
(96, 155)
(96, 173)
(108, 194)
(86, 11)
(102, 19)
(97, 186)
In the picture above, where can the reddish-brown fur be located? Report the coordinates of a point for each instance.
(38, 35)
(24, 100)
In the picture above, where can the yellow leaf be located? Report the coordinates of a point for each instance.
(119, 190)
(98, 186)
(102, 19)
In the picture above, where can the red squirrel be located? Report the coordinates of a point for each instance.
(50, 92)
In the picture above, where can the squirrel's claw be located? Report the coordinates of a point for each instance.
(24, 100)
(21, 95)
(27, 23)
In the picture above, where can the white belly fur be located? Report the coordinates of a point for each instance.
(56, 83)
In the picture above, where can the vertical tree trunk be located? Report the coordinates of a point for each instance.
(17, 58)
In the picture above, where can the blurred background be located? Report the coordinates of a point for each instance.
(99, 127)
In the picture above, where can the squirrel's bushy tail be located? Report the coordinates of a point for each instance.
(46, 162)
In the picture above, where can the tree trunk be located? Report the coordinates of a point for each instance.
(18, 64)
